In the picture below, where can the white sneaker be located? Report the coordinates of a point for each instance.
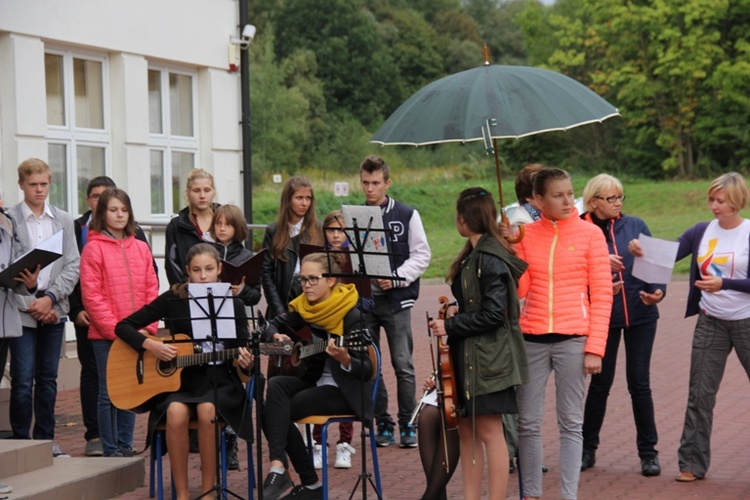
(6, 488)
(344, 456)
(57, 452)
(318, 456)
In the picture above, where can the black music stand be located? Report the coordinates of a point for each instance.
(356, 246)
(211, 315)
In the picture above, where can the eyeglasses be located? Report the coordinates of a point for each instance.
(310, 280)
(612, 199)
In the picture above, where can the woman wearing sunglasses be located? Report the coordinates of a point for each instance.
(633, 318)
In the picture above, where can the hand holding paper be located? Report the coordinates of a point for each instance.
(656, 260)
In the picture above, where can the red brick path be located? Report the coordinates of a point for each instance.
(617, 472)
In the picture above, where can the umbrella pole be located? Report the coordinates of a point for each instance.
(503, 217)
(499, 179)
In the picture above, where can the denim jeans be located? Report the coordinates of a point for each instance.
(639, 342)
(89, 383)
(566, 360)
(400, 344)
(35, 358)
(115, 425)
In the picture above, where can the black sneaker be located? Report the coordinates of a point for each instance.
(302, 492)
(275, 484)
(384, 436)
(650, 466)
(588, 459)
(408, 436)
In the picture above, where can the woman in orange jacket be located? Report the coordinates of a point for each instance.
(564, 319)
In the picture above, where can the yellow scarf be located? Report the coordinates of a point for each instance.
(330, 313)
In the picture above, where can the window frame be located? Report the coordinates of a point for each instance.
(168, 143)
(71, 136)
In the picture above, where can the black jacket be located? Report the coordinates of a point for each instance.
(277, 278)
(361, 367)
(76, 302)
(181, 236)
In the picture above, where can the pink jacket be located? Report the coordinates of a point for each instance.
(117, 279)
(568, 285)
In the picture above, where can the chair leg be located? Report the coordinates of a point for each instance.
(324, 445)
(375, 465)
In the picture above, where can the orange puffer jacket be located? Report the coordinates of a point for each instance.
(568, 285)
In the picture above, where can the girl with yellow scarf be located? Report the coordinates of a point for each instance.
(328, 308)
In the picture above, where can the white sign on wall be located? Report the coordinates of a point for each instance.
(341, 189)
(277, 178)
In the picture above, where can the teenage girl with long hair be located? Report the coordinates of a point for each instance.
(191, 225)
(486, 345)
(295, 224)
(117, 279)
(196, 395)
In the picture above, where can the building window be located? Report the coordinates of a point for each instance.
(78, 134)
(173, 141)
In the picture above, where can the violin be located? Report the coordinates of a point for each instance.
(445, 374)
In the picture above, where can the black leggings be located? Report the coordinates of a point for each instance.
(432, 452)
(289, 399)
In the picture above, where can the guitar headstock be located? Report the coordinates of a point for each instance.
(356, 339)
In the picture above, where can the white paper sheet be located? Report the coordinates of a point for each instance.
(376, 241)
(657, 262)
(223, 306)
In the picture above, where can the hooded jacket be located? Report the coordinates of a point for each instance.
(568, 285)
(117, 279)
(486, 331)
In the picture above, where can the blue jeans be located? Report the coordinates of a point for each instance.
(398, 331)
(35, 358)
(115, 425)
(639, 342)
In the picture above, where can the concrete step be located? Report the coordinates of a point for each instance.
(18, 456)
(47, 478)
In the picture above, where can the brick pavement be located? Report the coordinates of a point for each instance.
(617, 472)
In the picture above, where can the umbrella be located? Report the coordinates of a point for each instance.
(493, 102)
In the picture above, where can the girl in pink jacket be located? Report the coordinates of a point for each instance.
(117, 279)
(565, 320)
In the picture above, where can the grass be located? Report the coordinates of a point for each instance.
(668, 207)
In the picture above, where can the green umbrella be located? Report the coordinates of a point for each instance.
(493, 102)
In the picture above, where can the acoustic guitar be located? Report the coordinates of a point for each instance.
(308, 356)
(135, 377)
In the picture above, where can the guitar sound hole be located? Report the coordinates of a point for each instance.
(165, 368)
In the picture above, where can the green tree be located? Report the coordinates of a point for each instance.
(358, 73)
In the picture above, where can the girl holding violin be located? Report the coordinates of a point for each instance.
(486, 345)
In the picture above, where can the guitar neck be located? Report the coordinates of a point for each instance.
(202, 358)
(348, 340)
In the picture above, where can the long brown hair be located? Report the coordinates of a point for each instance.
(477, 209)
(310, 231)
(198, 249)
(99, 220)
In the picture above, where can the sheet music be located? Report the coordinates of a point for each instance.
(199, 310)
(376, 241)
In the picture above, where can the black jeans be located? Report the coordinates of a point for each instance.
(289, 399)
(89, 383)
(639, 343)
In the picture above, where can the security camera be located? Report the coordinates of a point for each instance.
(248, 32)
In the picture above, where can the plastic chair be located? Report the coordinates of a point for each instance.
(325, 420)
(158, 447)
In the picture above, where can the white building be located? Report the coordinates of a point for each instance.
(139, 90)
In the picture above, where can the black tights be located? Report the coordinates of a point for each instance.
(431, 451)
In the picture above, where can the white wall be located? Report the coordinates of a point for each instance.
(181, 34)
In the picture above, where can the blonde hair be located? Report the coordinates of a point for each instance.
(596, 186)
(33, 166)
(194, 175)
(329, 265)
(734, 186)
